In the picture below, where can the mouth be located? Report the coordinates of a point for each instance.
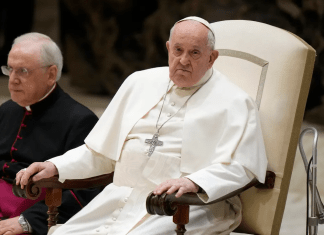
(184, 70)
(14, 90)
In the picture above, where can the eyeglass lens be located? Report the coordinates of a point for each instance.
(6, 70)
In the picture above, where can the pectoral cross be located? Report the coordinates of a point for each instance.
(153, 142)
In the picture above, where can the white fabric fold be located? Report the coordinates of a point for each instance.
(221, 122)
(81, 163)
(225, 179)
(215, 141)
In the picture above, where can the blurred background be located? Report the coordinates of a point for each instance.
(104, 41)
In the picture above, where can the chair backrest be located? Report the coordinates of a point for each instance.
(275, 68)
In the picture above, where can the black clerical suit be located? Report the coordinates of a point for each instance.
(53, 126)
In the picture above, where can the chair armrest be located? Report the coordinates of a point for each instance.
(33, 189)
(167, 204)
(54, 188)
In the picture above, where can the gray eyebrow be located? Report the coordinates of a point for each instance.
(194, 47)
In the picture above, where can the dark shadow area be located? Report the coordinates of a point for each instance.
(104, 41)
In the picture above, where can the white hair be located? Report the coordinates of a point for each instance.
(210, 36)
(50, 52)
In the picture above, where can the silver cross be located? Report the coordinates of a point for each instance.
(153, 142)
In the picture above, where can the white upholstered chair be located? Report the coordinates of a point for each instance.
(275, 67)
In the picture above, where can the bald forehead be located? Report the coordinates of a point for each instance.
(191, 28)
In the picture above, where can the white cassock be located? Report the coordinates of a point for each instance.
(215, 140)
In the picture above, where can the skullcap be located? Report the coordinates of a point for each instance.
(200, 20)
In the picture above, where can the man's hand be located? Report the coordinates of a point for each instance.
(10, 227)
(183, 185)
(45, 169)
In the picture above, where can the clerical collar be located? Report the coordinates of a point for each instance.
(28, 107)
(203, 80)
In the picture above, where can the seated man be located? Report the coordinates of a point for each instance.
(39, 122)
(182, 128)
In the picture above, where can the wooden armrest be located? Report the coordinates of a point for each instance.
(54, 191)
(179, 207)
(167, 204)
(33, 189)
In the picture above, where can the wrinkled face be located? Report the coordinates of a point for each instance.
(189, 55)
(28, 90)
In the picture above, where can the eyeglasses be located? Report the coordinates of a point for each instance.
(21, 72)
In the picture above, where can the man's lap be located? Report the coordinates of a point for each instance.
(220, 218)
(12, 206)
(94, 214)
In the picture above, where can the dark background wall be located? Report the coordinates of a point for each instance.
(104, 41)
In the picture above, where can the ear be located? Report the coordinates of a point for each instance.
(213, 56)
(168, 46)
(51, 73)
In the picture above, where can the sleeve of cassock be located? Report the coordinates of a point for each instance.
(72, 200)
(81, 163)
(2, 162)
(227, 178)
(13, 168)
(79, 129)
(247, 155)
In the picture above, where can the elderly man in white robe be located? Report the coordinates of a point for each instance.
(182, 128)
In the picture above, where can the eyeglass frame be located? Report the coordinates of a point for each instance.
(10, 69)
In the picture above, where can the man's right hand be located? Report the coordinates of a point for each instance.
(44, 169)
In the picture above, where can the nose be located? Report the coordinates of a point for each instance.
(184, 60)
(13, 77)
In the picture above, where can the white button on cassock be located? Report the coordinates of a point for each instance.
(169, 115)
(172, 103)
(114, 219)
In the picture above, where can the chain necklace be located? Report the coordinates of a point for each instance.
(155, 139)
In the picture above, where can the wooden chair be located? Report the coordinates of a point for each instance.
(275, 68)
